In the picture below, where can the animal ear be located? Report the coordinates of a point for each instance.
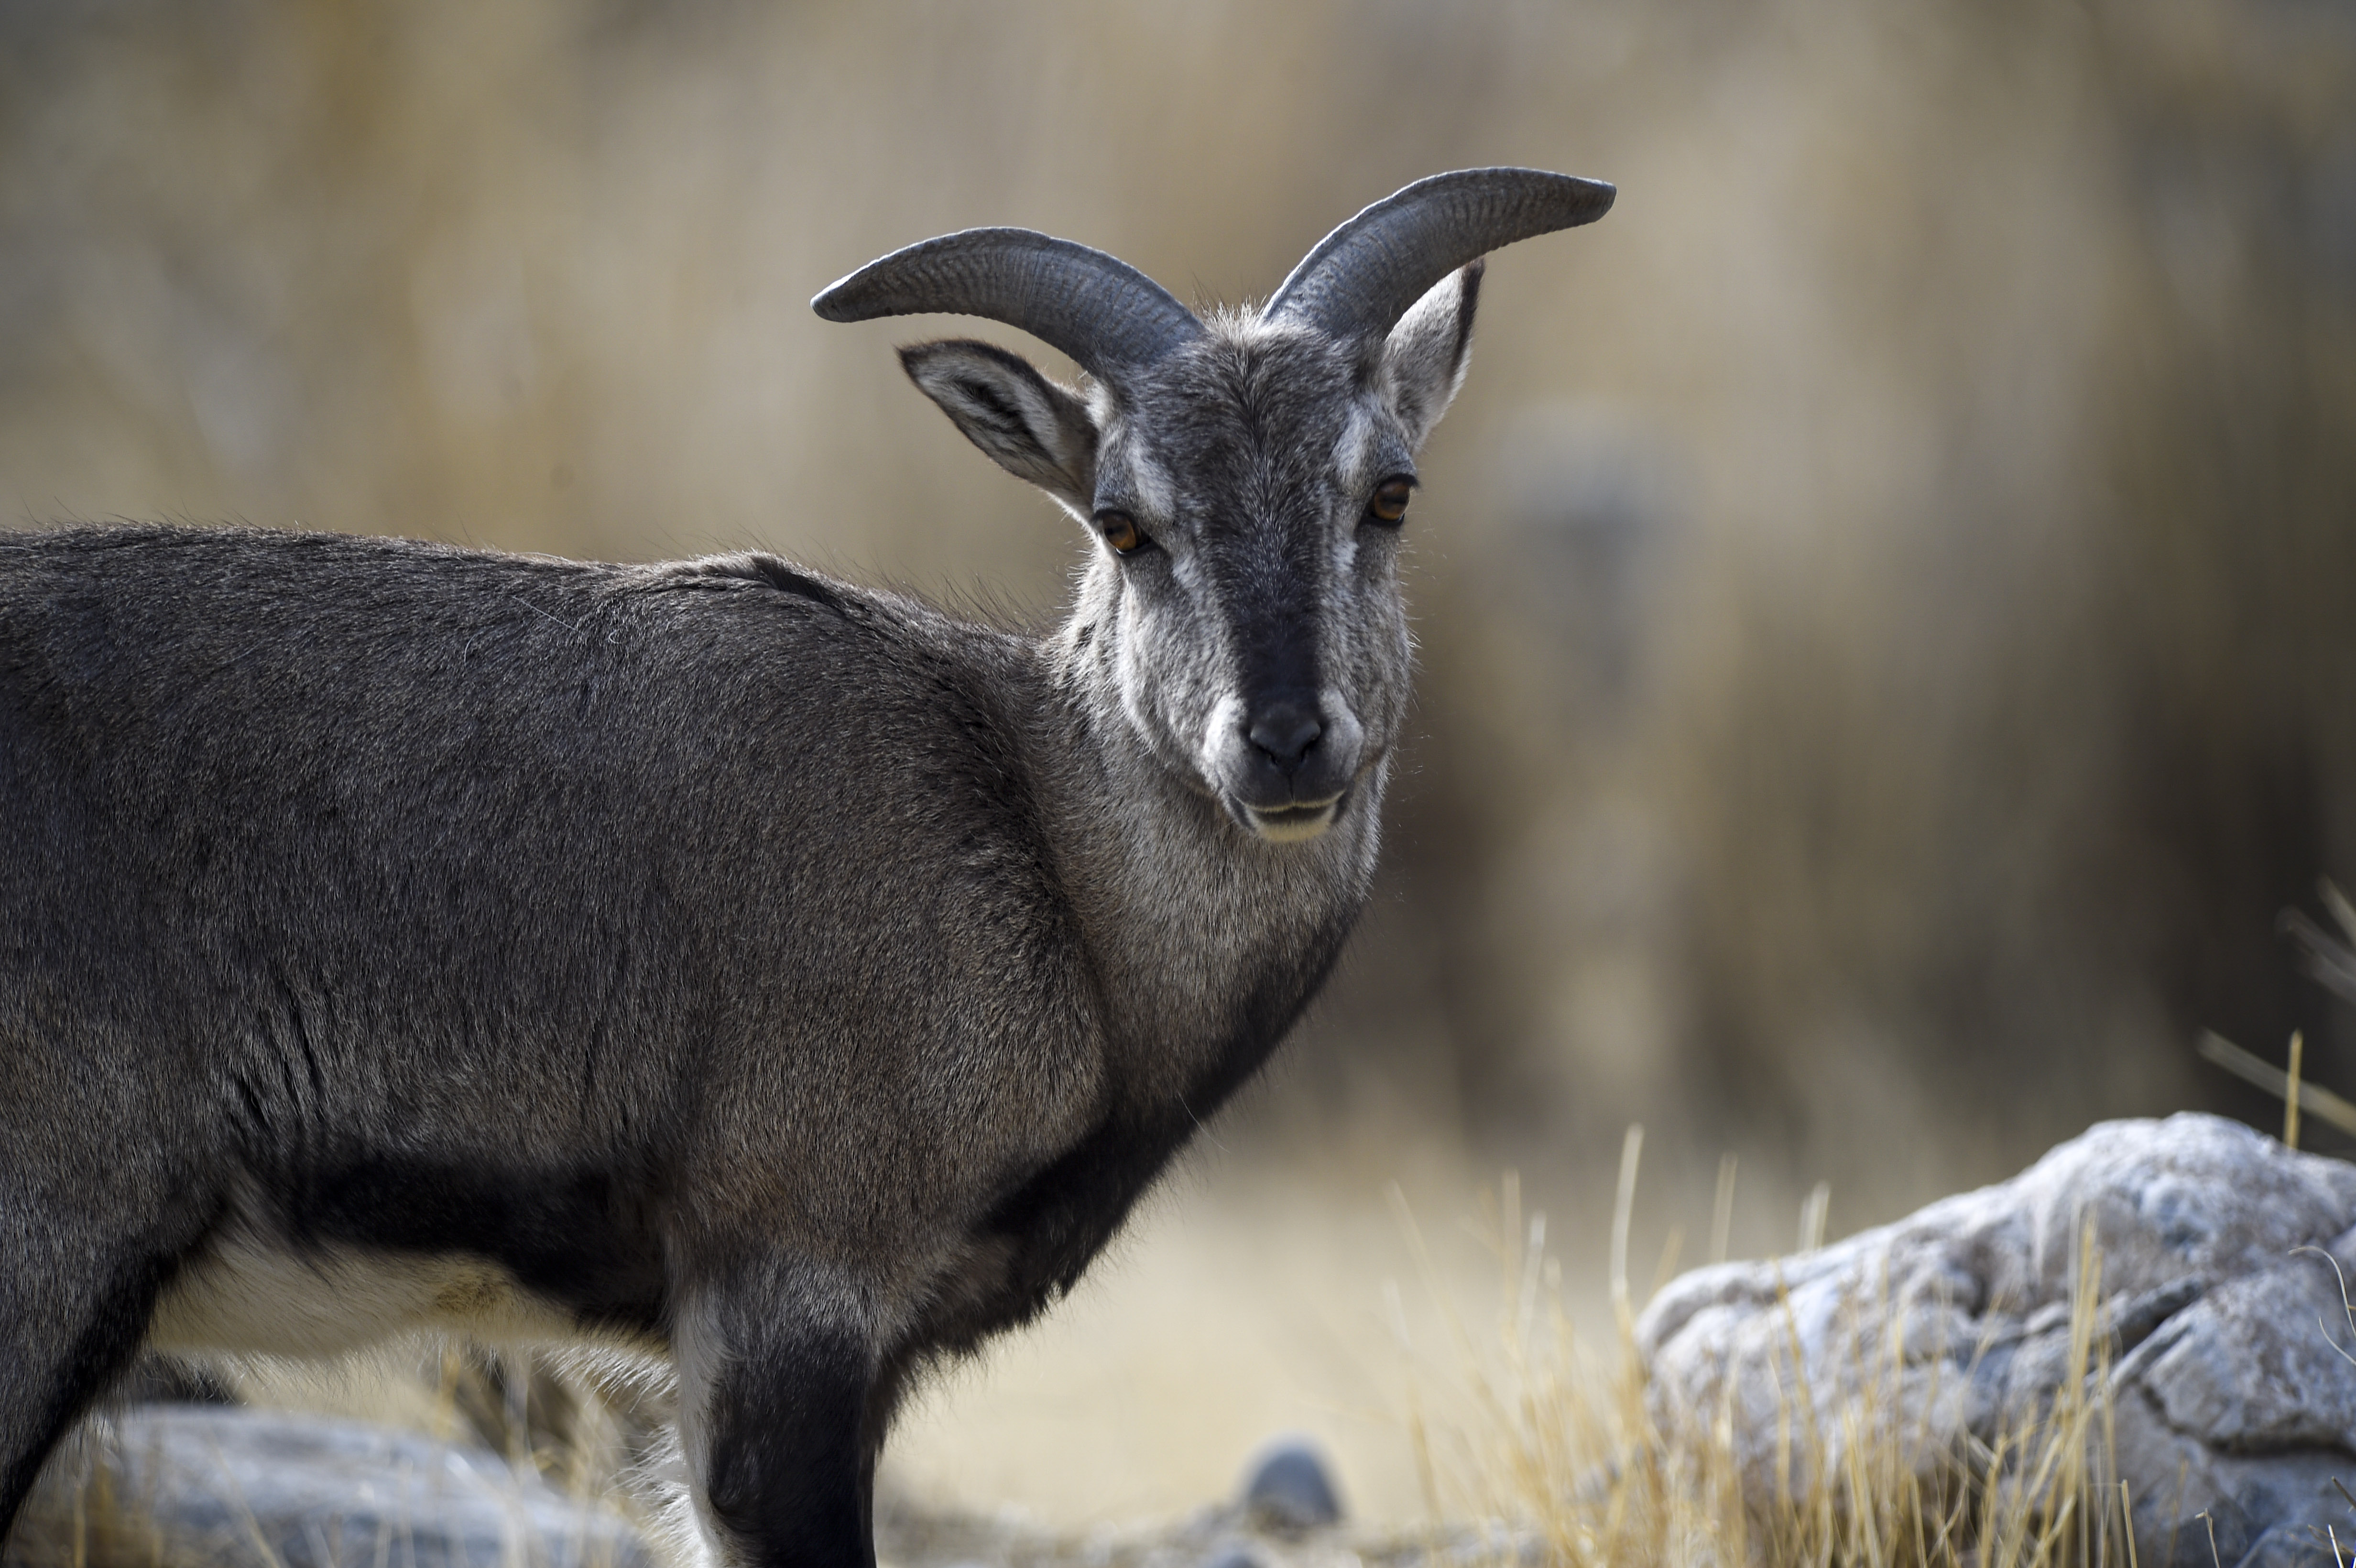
(1031, 427)
(1425, 355)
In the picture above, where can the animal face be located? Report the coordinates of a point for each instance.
(1262, 646)
(1245, 495)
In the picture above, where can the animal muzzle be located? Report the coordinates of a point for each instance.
(1287, 758)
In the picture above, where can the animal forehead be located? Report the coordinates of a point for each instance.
(1242, 403)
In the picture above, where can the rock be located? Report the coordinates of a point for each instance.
(1288, 1488)
(2228, 1393)
(251, 1486)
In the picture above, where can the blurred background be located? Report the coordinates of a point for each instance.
(1886, 593)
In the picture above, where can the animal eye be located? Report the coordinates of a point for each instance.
(1389, 502)
(1121, 531)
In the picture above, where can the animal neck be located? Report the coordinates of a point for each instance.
(1207, 940)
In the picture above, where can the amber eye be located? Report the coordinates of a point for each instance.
(1389, 503)
(1121, 531)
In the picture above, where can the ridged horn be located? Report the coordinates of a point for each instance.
(1104, 313)
(1366, 274)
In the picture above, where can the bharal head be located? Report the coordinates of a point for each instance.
(1246, 478)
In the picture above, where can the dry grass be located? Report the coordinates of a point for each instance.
(1554, 1447)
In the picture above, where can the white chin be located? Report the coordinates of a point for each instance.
(1293, 825)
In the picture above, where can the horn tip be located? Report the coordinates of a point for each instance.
(1577, 198)
(837, 302)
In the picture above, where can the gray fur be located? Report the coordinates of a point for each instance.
(711, 958)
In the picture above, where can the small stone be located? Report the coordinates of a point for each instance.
(1288, 1488)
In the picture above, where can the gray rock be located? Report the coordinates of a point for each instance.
(237, 1487)
(2229, 1392)
(1288, 1488)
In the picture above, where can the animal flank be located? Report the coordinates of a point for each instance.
(714, 960)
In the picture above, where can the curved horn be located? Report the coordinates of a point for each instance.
(1366, 274)
(1097, 308)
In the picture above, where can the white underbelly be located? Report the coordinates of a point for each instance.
(246, 1295)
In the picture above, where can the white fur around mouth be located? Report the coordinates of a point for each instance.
(1292, 823)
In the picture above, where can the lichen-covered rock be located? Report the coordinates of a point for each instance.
(2217, 1309)
(226, 1486)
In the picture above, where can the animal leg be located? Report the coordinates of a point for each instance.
(779, 1391)
(74, 1305)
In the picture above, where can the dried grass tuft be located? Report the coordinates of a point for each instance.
(1561, 1460)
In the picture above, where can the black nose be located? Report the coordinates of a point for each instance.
(1285, 730)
